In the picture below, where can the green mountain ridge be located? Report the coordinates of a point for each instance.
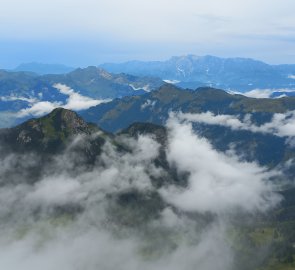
(18, 88)
(54, 133)
(154, 107)
(48, 132)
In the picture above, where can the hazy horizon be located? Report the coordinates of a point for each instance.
(82, 33)
(123, 61)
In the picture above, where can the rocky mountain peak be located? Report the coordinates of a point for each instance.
(47, 133)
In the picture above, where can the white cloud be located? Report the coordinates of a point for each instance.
(217, 183)
(34, 233)
(171, 81)
(281, 124)
(38, 109)
(259, 93)
(148, 103)
(15, 98)
(57, 190)
(264, 93)
(211, 119)
(291, 77)
(75, 101)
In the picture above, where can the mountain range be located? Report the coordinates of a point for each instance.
(265, 147)
(93, 82)
(155, 106)
(28, 94)
(190, 71)
(99, 162)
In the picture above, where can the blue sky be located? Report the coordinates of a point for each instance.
(89, 32)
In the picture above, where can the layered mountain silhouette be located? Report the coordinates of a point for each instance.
(266, 148)
(18, 89)
(191, 71)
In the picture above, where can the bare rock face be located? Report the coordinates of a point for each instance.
(24, 137)
(70, 122)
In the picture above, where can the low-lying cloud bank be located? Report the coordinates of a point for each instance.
(281, 124)
(218, 183)
(70, 218)
(266, 93)
(75, 101)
